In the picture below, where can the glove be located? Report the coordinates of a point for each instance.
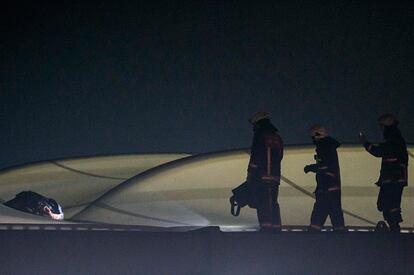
(308, 168)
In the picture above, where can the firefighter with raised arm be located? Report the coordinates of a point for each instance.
(264, 170)
(328, 181)
(393, 175)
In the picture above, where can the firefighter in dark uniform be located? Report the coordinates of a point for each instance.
(328, 181)
(393, 175)
(264, 170)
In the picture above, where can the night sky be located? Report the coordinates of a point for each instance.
(82, 79)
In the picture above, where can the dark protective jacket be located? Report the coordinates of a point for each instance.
(327, 170)
(394, 157)
(266, 154)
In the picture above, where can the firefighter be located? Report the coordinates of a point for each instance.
(328, 181)
(393, 175)
(264, 170)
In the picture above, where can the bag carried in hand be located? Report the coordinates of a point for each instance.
(243, 195)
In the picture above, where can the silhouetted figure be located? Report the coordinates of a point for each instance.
(34, 203)
(328, 181)
(264, 170)
(393, 176)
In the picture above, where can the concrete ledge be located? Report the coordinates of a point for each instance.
(204, 251)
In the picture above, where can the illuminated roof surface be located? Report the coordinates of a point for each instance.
(74, 183)
(180, 190)
(194, 191)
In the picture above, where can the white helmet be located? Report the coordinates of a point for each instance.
(388, 120)
(259, 116)
(318, 131)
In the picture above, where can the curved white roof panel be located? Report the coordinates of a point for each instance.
(74, 183)
(195, 190)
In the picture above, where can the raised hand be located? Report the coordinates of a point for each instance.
(362, 138)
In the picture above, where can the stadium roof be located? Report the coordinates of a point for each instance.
(76, 182)
(194, 191)
(171, 190)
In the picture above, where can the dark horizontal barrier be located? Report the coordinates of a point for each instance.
(74, 226)
(121, 250)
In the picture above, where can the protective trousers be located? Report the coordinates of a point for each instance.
(327, 203)
(389, 203)
(268, 212)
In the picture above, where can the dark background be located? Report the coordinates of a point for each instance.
(80, 79)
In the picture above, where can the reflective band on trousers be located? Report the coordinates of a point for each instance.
(336, 188)
(399, 180)
(270, 225)
(330, 174)
(390, 160)
(271, 178)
